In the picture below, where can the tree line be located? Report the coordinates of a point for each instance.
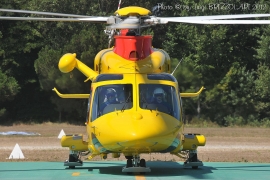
(230, 61)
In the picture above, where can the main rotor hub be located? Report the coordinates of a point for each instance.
(131, 17)
(132, 11)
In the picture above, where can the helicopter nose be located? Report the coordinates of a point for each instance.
(137, 130)
(137, 116)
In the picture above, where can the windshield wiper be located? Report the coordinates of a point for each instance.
(146, 103)
(126, 101)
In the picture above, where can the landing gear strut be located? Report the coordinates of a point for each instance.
(135, 164)
(192, 160)
(73, 160)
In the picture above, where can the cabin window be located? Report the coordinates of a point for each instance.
(160, 97)
(181, 108)
(108, 77)
(88, 107)
(162, 76)
(110, 98)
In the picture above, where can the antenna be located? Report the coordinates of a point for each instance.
(176, 66)
(111, 33)
(119, 4)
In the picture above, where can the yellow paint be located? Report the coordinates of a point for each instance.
(74, 142)
(77, 96)
(68, 62)
(140, 177)
(76, 174)
(135, 130)
(109, 62)
(192, 94)
(132, 10)
(192, 144)
(124, 133)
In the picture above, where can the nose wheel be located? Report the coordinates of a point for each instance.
(129, 163)
(135, 165)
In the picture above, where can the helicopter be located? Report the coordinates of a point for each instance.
(134, 104)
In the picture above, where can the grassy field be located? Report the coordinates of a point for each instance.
(222, 144)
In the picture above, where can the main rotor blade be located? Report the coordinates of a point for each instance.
(90, 19)
(42, 13)
(216, 17)
(226, 21)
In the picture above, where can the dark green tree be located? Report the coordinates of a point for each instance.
(8, 89)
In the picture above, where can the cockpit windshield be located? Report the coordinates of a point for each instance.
(160, 97)
(109, 98)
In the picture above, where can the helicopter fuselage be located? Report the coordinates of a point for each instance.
(135, 122)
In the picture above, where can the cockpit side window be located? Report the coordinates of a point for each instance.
(110, 98)
(159, 97)
(88, 106)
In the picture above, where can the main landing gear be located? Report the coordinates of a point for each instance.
(73, 160)
(135, 164)
(192, 160)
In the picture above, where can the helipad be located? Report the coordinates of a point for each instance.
(113, 170)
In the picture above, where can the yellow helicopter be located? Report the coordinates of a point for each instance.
(134, 104)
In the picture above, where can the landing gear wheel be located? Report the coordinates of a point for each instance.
(135, 165)
(73, 158)
(192, 160)
(129, 163)
(142, 163)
